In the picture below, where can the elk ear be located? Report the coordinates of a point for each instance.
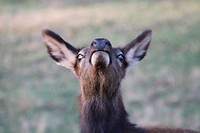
(136, 49)
(60, 51)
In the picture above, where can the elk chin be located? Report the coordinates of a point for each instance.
(100, 59)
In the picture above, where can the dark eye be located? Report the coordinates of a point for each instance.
(80, 57)
(121, 57)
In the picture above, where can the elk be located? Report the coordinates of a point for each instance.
(100, 69)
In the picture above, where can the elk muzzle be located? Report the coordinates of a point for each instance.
(100, 59)
(100, 49)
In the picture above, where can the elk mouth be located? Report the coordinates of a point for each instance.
(100, 59)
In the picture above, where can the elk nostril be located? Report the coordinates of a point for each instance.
(107, 43)
(94, 43)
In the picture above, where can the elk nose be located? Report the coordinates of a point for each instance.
(101, 44)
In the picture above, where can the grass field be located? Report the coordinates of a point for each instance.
(37, 96)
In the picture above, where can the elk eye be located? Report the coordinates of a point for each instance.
(80, 57)
(121, 57)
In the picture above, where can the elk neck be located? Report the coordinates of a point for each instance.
(100, 105)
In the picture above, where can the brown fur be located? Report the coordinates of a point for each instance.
(100, 103)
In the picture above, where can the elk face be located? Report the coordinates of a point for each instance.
(100, 60)
(99, 63)
(96, 57)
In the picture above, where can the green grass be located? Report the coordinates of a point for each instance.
(37, 96)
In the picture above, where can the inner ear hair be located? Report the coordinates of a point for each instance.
(50, 35)
(137, 40)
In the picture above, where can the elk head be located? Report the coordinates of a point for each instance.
(99, 67)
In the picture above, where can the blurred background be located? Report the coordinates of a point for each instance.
(37, 96)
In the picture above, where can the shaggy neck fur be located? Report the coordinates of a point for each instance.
(101, 107)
